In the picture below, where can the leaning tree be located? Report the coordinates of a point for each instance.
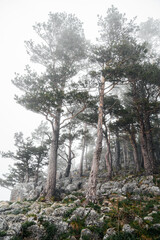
(114, 28)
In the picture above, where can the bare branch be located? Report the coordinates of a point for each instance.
(73, 116)
(62, 157)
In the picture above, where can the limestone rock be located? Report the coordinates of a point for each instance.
(85, 233)
(3, 224)
(93, 218)
(148, 218)
(127, 228)
(110, 232)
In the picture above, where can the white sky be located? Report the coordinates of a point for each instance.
(16, 20)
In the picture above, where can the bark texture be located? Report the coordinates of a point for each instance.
(68, 168)
(52, 167)
(135, 149)
(117, 153)
(147, 163)
(92, 183)
(108, 156)
(83, 150)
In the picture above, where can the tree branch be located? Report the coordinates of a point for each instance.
(73, 116)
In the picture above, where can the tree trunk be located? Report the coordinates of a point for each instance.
(125, 160)
(92, 183)
(143, 140)
(37, 172)
(149, 139)
(86, 162)
(52, 167)
(26, 178)
(117, 153)
(135, 151)
(67, 171)
(108, 156)
(83, 149)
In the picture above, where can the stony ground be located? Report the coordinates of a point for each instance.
(127, 209)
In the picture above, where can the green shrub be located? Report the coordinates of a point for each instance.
(77, 225)
(69, 212)
(16, 238)
(94, 206)
(25, 226)
(2, 233)
(123, 236)
(51, 230)
(86, 238)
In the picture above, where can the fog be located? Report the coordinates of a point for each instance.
(16, 20)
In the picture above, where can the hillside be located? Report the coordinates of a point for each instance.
(127, 208)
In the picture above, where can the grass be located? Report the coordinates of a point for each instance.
(96, 207)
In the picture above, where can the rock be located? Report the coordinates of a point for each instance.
(127, 228)
(85, 233)
(156, 207)
(148, 218)
(137, 191)
(47, 211)
(138, 219)
(73, 187)
(4, 205)
(80, 212)
(110, 232)
(129, 187)
(3, 224)
(14, 227)
(77, 202)
(153, 212)
(61, 226)
(34, 208)
(61, 211)
(136, 197)
(5, 238)
(154, 190)
(93, 218)
(36, 232)
(26, 191)
(106, 187)
(73, 238)
(156, 226)
(105, 209)
(69, 198)
(148, 180)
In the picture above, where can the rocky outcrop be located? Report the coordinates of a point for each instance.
(127, 208)
(26, 191)
(130, 185)
(136, 186)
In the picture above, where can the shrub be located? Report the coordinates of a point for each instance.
(2, 233)
(51, 230)
(25, 226)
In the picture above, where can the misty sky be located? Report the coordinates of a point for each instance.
(16, 20)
